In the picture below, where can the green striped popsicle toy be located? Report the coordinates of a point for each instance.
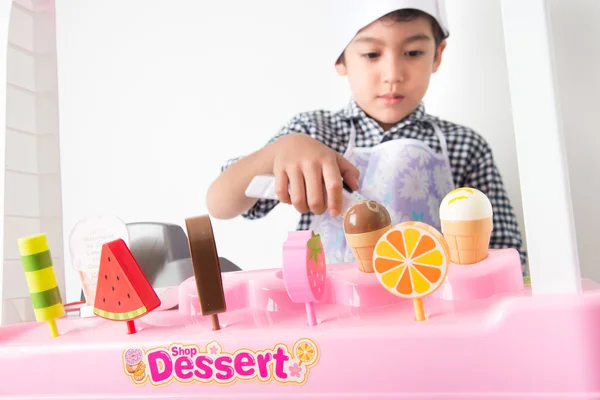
(39, 272)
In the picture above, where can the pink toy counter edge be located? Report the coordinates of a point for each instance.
(484, 342)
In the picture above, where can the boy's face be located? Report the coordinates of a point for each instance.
(389, 64)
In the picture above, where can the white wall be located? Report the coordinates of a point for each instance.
(576, 31)
(156, 94)
(32, 187)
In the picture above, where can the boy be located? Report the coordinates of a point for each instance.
(383, 144)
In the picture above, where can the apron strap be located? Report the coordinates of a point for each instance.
(444, 147)
(352, 141)
(441, 138)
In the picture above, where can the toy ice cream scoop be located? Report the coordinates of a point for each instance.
(364, 224)
(467, 223)
(41, 281)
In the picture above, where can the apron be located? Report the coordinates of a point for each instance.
(405, 175)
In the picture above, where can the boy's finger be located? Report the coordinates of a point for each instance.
(313, 179)
(349, 172)
(333, 185)
(282, 186)
(297, 189)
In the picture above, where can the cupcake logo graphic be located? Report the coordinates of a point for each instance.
(133, 358)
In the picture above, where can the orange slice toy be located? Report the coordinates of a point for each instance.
(411, 261)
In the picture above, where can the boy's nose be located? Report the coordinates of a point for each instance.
(392, 71)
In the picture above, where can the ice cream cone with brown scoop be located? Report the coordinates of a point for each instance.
(466, 217)
(364, 224)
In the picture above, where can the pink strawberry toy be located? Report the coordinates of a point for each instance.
(304, 270)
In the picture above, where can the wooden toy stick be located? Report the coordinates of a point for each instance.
(215, 322)
(53, 328)
(131, 327)
(419, 311)
(311, 316)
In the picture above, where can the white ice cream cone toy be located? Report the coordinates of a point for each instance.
(467, 222)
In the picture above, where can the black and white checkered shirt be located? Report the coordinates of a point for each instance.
(470, 156)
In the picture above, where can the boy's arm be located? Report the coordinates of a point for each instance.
(482, 173)
(236, 175)
(259, 207)
(226, 196)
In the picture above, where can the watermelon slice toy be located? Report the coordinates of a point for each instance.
(123, 292)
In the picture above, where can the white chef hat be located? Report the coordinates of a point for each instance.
(350, 16)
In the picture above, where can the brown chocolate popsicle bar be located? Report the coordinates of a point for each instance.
(207, 269)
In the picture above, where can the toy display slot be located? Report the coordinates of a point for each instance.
(264, 290)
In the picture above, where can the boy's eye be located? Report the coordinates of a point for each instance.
(414, 53)
(371, 55)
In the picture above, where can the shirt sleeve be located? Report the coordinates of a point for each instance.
(483, 174)
(262, 207)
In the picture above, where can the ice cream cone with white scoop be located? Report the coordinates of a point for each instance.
(467, 222)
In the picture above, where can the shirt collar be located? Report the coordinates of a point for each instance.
(353, 111)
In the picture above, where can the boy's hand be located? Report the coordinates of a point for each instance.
(305, 164)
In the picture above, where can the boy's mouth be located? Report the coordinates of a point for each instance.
(390, 98)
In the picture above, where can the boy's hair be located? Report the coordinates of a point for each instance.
(409, 14)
